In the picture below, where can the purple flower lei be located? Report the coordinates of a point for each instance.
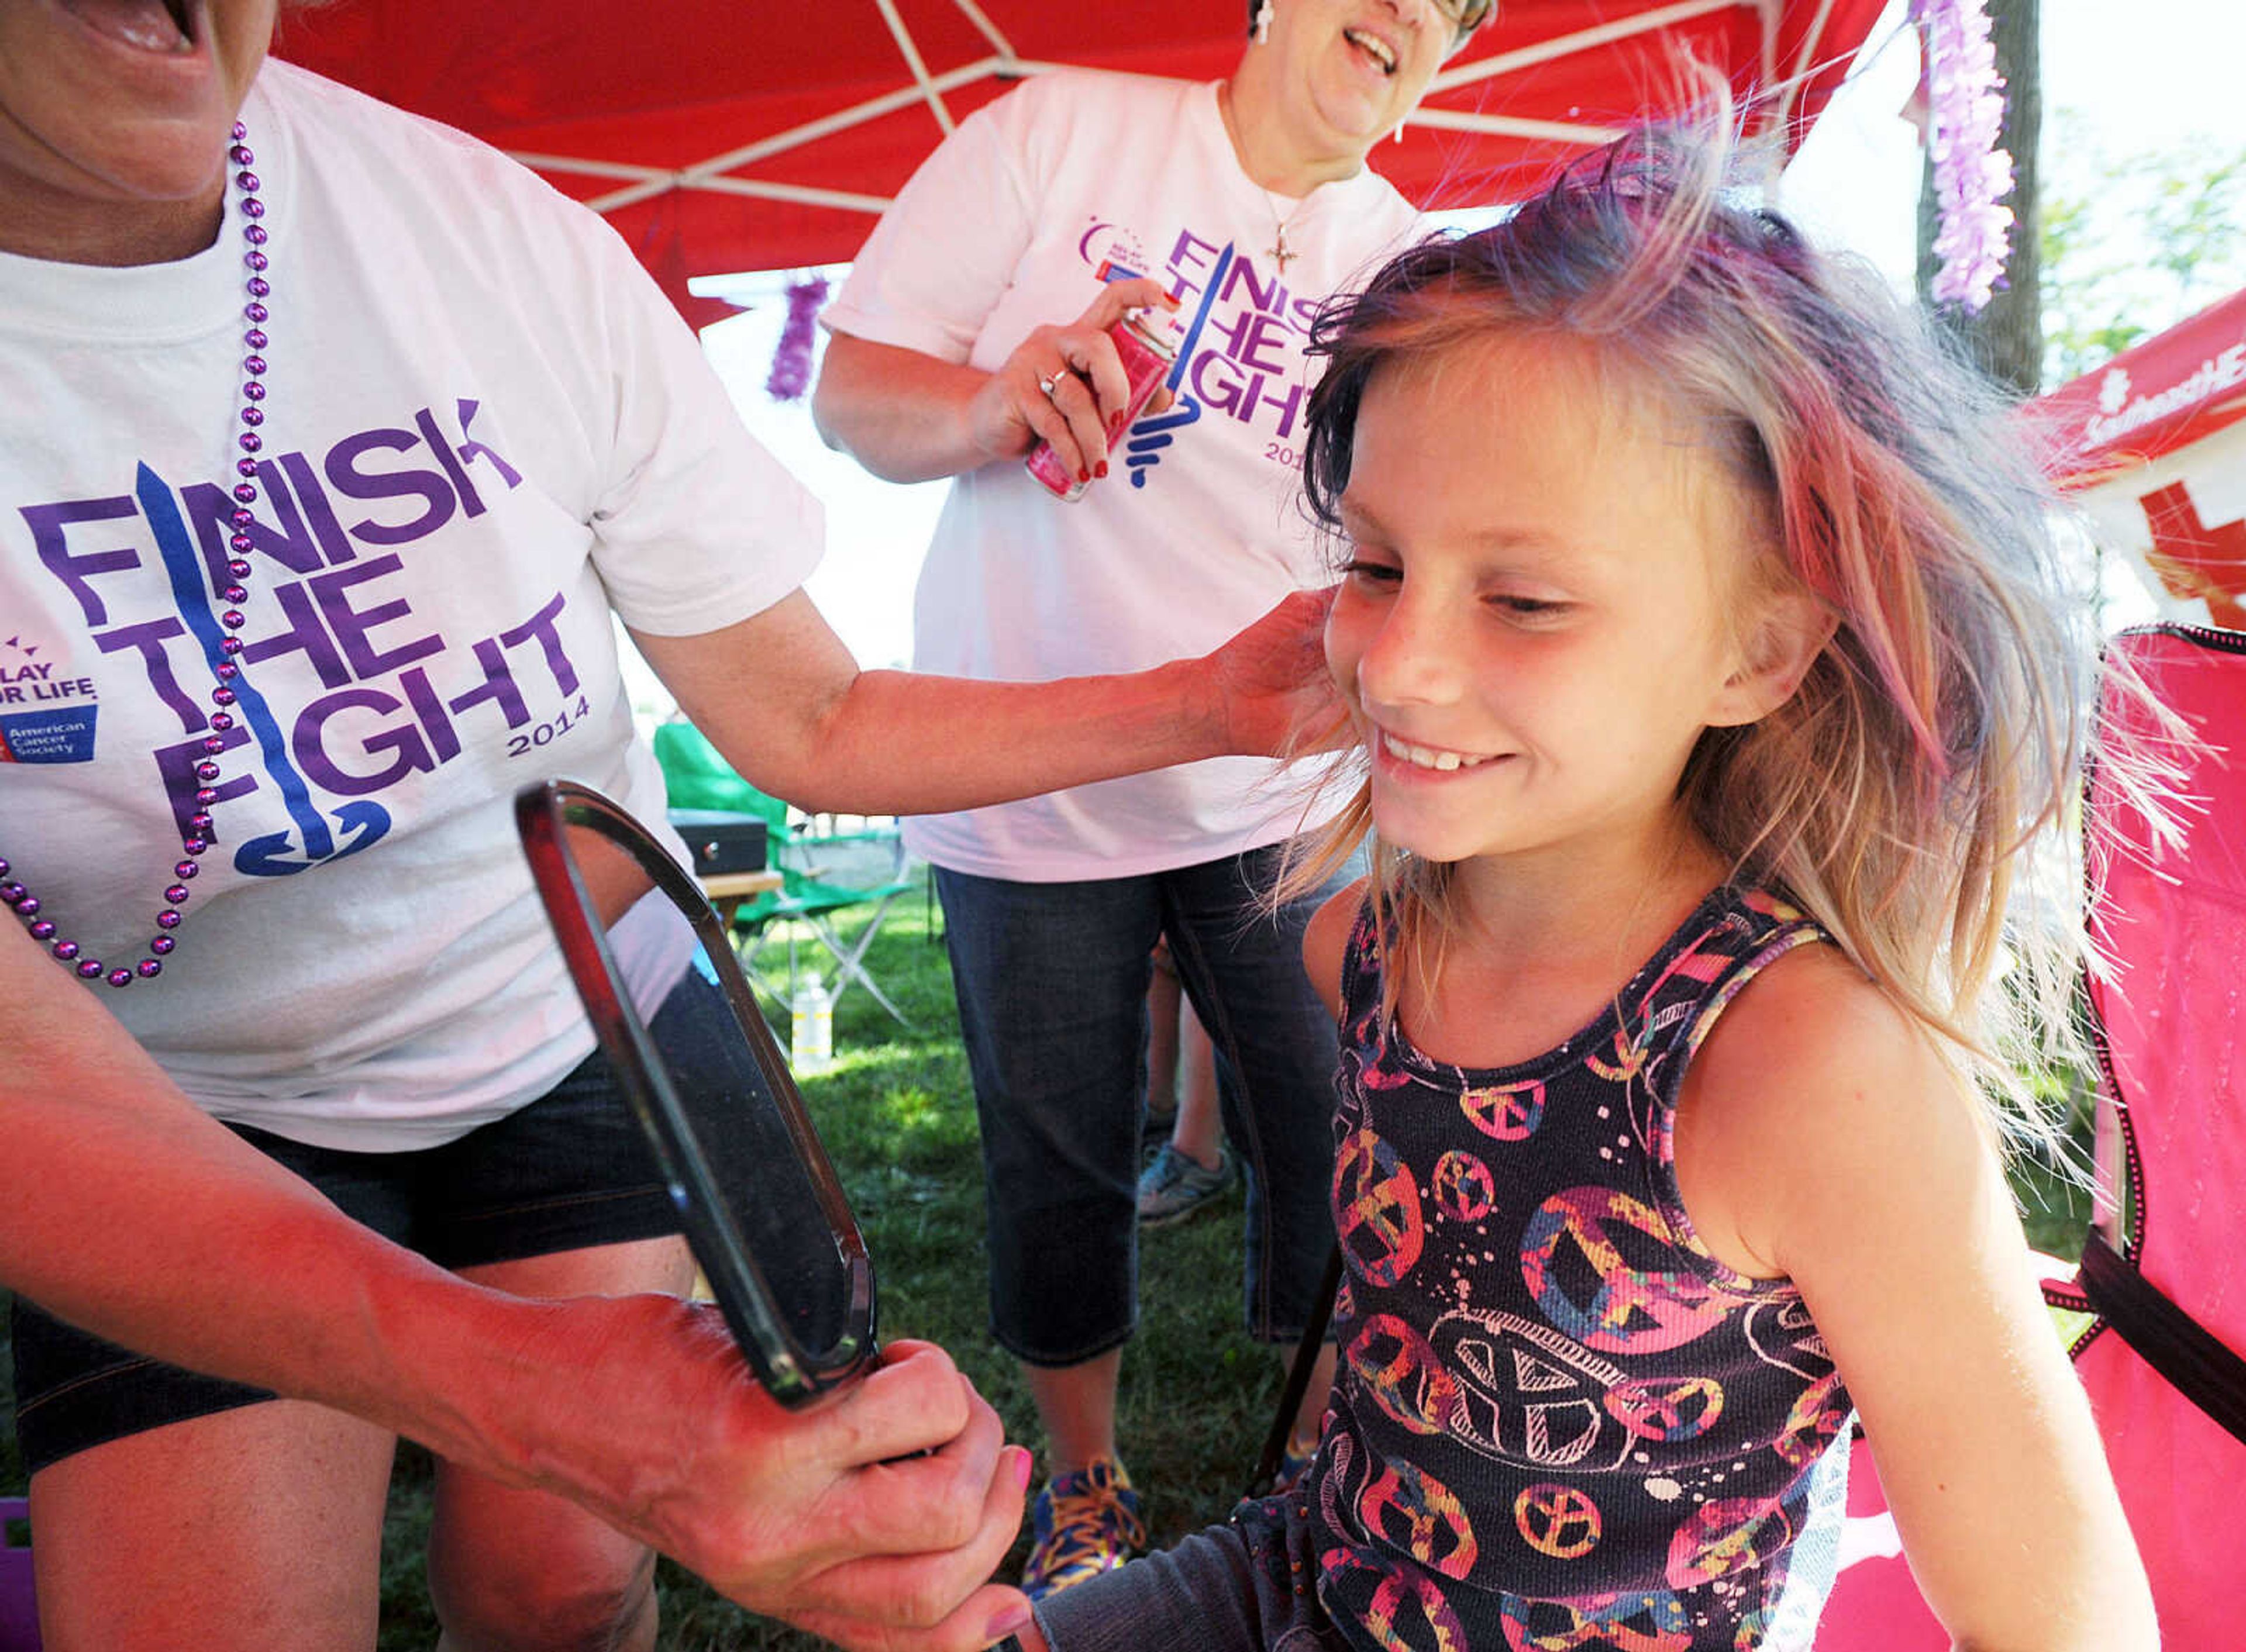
(1971, 174)
(791, 368)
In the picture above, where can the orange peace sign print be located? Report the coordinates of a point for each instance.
(1409, 1509)
(1376, 1207)
(1558, 1520)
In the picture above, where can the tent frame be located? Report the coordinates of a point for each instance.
(716, 174)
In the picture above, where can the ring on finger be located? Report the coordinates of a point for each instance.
(1047, 383)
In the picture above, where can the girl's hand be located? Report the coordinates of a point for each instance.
(1012, 410)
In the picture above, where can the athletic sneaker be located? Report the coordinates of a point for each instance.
(1086, 1523)
(1155, 1125)
(1175, 1185)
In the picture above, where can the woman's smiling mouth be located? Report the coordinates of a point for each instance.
(1382, 55)
(152, 25)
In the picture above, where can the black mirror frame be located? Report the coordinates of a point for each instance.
(790, 1373)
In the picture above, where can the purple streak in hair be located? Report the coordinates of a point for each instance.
(1971, 174)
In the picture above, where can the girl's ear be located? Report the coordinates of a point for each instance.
(1784, 641)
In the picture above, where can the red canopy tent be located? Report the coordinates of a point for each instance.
(721, 137)
(2153, 447)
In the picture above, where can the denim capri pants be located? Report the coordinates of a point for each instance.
(1051, 982)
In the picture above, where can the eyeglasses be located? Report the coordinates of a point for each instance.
(1465, 15)
(762, 1209)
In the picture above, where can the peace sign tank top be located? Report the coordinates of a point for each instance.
(1560, 1423)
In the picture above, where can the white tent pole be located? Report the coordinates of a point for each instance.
(1581, 40)
(793, 138)
(645, 183)
(616, 200)
(999, 43)
(1806, 59)
(857, 115)
(759, 189)
(667, 180)
(588, 168)
(903, 38)
(1514, 126)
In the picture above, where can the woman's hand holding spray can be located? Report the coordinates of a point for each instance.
(1146, 342)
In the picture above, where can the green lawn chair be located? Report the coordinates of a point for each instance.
(823, 873)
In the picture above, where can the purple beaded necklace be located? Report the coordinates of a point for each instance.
(26, 904)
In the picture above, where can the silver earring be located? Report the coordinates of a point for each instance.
(1263, 23)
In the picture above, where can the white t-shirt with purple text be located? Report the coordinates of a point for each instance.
(486, 431)
(1071, 179)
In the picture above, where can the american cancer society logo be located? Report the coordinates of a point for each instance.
(45, 716)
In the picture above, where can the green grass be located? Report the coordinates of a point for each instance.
(898, 1117)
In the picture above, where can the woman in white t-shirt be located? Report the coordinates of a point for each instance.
(1247, 203)
(333, 446)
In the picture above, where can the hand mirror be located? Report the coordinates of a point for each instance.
(758, 1200)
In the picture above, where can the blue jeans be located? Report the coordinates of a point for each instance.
(1052, 982)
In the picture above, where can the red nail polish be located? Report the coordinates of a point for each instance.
(1102, 471)
(1084, 476)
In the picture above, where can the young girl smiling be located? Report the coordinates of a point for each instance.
(1698, 626)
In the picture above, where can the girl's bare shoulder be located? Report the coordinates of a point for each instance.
(1815, 1070)
(1326, 937)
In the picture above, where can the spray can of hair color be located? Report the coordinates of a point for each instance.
(1148, 346)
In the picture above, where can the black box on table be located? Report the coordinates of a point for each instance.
(721, 842)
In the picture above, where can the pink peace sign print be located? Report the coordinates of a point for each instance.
(1505, 1113)
(1726, 1536)
(1818, 1415)
(1597, 1263)
(1368, 1045)
(1377, 1214)
(1402, 1609)
(1398, 1368)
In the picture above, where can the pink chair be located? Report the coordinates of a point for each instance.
(19, 1614)
(2166, 1271)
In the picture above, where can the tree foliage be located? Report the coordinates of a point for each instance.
(2134, 243)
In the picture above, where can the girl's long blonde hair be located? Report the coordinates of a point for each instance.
(1936, 741)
